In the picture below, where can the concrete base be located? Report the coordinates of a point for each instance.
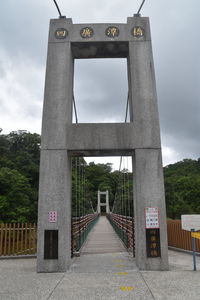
(55, 195)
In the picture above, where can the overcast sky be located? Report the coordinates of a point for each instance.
(176, 46)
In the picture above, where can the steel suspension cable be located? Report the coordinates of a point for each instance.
(83, 198)
(127, 107)
(125, 212)
(76, 185)
(138, 12)
(79, 184)
(58, 9)
(120, 162)
(75, 111)
(128, 191)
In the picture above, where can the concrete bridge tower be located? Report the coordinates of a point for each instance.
(104, 204)
(140, 138)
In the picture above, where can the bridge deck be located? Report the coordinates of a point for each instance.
(103, 239)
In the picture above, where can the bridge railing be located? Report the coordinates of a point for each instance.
(124, 227)
(21, 239)
(81, 226)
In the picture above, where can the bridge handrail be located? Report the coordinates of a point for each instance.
(81, 226)
(124, 227)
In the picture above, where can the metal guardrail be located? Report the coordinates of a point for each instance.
(81, 226)
(124, 227)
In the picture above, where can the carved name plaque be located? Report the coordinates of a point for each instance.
(137, 32)
(61, 33)
(153, 242)
(51, 244)
(86, 32)
(112, 31)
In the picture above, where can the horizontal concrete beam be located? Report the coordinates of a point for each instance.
(107, 139)
(103, 139)
(99, 31)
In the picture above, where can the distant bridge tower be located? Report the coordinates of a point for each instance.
(103, 204)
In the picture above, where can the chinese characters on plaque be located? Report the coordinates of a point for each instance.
(61, 33)
(137, 32)
(86, 32)
(51, 244)
(153, 242)
(152, 219)
(112, 31)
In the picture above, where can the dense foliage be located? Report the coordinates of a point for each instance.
(182, 188)
(19, 175)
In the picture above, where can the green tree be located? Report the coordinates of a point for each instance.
(15, 203)
(182, 188)
(20, 154)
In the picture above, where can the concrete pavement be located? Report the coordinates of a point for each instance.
(101, 277)
(97, 275)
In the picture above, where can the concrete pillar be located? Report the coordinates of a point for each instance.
(98, 203)
(55, 163)
(107, 203)
(149, 192)
(147, 162)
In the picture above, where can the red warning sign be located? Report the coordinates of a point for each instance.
(52, 216)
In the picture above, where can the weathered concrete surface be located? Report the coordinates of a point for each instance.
(110, 139)
(55, 165)
(102, 239)
(149, 192)
(99, 32)
(55, 195)
(140, 138)
(101, 277)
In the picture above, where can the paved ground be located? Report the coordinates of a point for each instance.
(101, 277)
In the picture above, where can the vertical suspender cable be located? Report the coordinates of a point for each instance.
(75, 111)
(84, 208)
(120, 165)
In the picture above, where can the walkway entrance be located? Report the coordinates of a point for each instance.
(103, 239)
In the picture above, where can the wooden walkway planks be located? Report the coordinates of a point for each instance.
(102, 239)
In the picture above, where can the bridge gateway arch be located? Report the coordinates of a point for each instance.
(140, 138)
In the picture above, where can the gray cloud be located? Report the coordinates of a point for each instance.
(101, 88)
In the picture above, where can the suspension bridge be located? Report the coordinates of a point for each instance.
(110, 229)
(96, 254)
